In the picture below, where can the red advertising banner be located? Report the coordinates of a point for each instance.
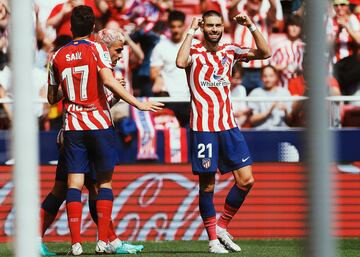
(159, 202)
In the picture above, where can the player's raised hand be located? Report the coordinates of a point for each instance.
(150, 106)
(243, 19)
(195, 23)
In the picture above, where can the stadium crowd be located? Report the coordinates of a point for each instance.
(154, 30)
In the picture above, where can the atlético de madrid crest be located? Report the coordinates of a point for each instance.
(206, 163)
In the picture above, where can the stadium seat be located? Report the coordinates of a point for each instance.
(351, 116)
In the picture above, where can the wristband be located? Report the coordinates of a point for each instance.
(252, 27)
(191, 32)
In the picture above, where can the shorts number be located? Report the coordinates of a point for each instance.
(201, 150)
(67, 74)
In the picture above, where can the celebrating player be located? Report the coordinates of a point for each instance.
(81, 68)
(216, 141)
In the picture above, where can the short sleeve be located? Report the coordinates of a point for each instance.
(102, 56)
(156, 58)
(240, 53)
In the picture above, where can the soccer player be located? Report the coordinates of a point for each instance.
(114, 40)
(215, 140)
(81, 68)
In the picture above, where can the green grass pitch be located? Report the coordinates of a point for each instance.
(250, 248)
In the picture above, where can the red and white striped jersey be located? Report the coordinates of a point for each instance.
(209, 81)
(289, 54)
(344, 44)
(75, 67)
(243, 37)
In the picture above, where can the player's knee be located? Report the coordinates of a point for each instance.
(74, 183)
(247, 182)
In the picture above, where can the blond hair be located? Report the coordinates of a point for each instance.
(110, 36)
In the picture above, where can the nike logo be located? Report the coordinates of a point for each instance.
(244, 160)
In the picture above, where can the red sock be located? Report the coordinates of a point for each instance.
(104, 209)
(111, 233)
(210, 226)
(46, 219)
(226, 216)
(74, 211)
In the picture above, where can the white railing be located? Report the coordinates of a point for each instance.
(335, 103)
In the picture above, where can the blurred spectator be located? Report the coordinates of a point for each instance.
(240, 109)
(265, 6)
(59, 18)
(288, 57)
(252, 69)
(54, 119)
(141, 75)
(270, 115)
(163, 72)
(343, 31)
(347, 73)
(167, 79)
(142, 13)
(118, 13)
(39, 83)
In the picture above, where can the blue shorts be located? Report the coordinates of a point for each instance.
(224, 150)
(62, 171)
(81, 148)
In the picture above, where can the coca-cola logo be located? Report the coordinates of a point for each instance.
(150, 206)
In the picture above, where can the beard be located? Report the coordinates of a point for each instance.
(212, 40)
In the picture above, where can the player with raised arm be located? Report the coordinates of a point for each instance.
(82, 68)
(215, 140)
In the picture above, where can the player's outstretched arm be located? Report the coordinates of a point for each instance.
(263, 50)
(114, 86)
(183, 59)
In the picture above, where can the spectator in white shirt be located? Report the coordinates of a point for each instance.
(168, 80)
(163, 72)
(270, 115)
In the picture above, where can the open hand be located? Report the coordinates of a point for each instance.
(150, 106)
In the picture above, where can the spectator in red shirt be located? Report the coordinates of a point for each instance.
(59, 17)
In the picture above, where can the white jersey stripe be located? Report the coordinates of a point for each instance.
(100, 119)
(85, 119)
(75, 122)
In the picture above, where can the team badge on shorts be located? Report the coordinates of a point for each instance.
(206, 163)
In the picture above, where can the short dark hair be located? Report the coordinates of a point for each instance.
(211, 13)
(60, 41)
(176, 16)
(294, 20)
(82, 21)
(270, 67)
